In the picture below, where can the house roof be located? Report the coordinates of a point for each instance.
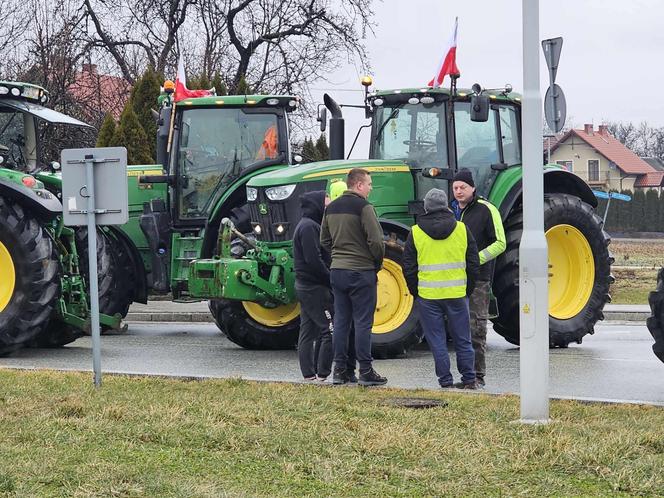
(655, 162)
(650, 179)
(611, 148)
(97, 92)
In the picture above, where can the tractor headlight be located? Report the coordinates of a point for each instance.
(252, 194)
(4, 90)
(279, 193)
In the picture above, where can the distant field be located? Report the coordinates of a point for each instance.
(644, 252)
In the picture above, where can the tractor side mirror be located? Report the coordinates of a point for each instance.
(322, 118)
(479, 108)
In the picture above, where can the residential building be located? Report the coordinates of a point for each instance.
(603, 162)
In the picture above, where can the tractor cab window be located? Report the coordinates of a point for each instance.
(215, 146)
(509, 131)
(12, 139)
(414, 134)
(476, 146)
(481, 144)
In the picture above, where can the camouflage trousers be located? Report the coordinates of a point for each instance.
(479, 311)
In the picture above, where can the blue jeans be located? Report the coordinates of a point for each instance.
(432, 319)
(354, 304)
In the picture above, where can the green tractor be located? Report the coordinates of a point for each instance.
(419, 139)
(43, 264)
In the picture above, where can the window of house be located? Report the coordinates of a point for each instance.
(593, 170)
(566, 164)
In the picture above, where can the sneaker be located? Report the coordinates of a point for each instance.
(340, 377)
(446, 385)
(352, 378)
(371, 378)
(469, 385)
(480, 382)
(320, 379)
(310, 379)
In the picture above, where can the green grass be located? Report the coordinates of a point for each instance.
(159, 437)
(632, 285)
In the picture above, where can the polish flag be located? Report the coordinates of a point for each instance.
(181, 90)
(447, 64)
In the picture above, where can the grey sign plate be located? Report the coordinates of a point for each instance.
(111, 196)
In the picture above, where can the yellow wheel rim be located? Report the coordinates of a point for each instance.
(394, 302)
(7, 277)
(571, 271)
(272, 317)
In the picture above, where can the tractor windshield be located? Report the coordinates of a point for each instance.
(215, 146)
(414, 134)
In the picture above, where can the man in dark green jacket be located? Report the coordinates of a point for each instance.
(484, 222)
(351, 233)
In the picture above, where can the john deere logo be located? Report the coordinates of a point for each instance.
(262, 208)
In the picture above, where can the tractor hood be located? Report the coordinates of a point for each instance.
(323, 170)
(42, 112)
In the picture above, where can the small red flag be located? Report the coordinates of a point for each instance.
(447, 64)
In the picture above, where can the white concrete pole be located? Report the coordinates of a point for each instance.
(533, 261)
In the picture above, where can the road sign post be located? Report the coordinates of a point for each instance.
(533, 254)
(86, 203)
(555, 106)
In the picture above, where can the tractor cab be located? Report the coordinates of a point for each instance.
(21, 110)
(436, 134)
(216, 141)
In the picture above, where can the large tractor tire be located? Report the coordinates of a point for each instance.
(396, 321)
(113, 278)
(252, 326)
(579, 271)
(395, 330)
(655, 321)
(29, 277)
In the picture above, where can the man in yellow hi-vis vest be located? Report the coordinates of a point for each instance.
(440, 264)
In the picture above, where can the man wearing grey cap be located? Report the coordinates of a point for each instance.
(441, 264)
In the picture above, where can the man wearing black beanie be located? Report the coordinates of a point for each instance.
(484, 222)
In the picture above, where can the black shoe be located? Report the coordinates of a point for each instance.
(446, 385)
(340, 377)
(480, 382)
(469, 385)
(371, 378)
(352, 378)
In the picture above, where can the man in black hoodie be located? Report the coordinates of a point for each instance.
(312, 286)
(441, 264)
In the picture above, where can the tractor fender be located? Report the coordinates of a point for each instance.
(141, 290)
(42, 203)
(397, 227)
(555, 181)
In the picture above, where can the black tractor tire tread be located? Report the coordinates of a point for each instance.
(506, 279)
(38, 277)
(236, 324)
(124, 277)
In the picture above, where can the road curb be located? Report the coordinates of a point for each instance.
(205, 317)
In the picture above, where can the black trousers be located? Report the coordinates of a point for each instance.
(354, 306)
(315, 342)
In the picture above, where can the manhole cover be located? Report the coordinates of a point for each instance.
(417, 403)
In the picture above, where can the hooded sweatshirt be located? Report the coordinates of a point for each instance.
(439, 225)
(311, 262)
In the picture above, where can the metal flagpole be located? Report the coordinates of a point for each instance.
(533, 262)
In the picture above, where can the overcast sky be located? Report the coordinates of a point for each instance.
(611, 67)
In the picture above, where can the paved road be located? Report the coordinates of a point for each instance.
(616, 363)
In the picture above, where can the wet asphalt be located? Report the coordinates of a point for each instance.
(616, 363)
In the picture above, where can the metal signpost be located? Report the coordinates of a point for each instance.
(533, 253)
(94, 192)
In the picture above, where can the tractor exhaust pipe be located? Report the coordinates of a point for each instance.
(336, 128)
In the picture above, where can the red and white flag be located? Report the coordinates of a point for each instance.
(447, 64)
(181, 90)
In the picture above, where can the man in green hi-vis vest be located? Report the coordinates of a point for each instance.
(441, 264)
